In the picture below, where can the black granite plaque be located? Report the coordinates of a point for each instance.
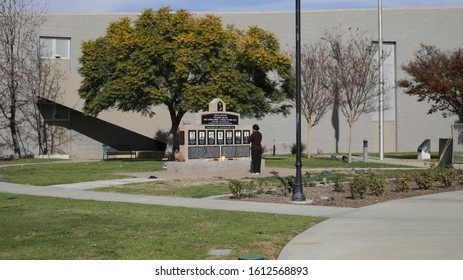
(229, 137)
(242, 151)
(191, 137)
(211, 137)
(236, 151)
(199, 152)
(219, 127)
(181, 139)
(196, 152)
(246, 134)
(220, 137)
(238, 138)
(229, 151)
(219, 119)
(201, 137)
(212, 152)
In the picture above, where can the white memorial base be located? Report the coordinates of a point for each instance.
(424, 155)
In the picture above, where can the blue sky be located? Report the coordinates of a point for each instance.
(59, 6)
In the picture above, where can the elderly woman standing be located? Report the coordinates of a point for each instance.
(256, 149)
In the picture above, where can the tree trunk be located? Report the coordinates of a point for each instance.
(176, 118)
(309, 128)
(350, 141)
(169, 152)
(14, 135)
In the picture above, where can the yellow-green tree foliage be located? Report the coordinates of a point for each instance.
(184, 61)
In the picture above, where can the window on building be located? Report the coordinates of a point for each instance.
(389, 76)
(55, 48)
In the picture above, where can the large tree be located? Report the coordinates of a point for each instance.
(19, 23)
(183, 62)
(355, 74)
(43, 87)
(436, 77)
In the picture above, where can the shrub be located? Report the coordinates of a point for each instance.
(260, 185)
(377, 184)
(288, 185)
(425, 179)
(338, 185)
(446, 176)
(293, 148)
(403, 184)
(358, 186)
(241, 189)
(285, 184)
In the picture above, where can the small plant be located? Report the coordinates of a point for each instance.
(425, 179)
(260, 185)
(293, 148)
(358, 186)
(289, 186)
(338, 185)
(241, 189)
(446, 175)
(286, 184)
(403, 184)
(377, 184)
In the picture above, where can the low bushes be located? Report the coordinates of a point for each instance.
(359, 184)
(373, 183)
(242, 189)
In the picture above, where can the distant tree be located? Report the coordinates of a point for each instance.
(43, 86)
(184, 61)
(19, 23)
(436, 77)
(317, 96)
(355, 75)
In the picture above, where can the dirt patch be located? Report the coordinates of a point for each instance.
(324, 195)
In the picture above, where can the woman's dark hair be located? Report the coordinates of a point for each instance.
(255, 127)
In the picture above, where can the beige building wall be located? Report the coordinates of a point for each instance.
(406, 127)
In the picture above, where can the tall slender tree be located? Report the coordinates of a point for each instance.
(19, 23)
(317, 95)
(355, 74)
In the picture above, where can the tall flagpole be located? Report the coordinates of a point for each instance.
(381, 81)
(298, 193)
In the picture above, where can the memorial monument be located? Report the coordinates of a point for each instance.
(215, 140)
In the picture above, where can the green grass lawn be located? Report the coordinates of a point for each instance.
(157, 188)
(54, 229)
(67, 172)
(289, 162)
(63, 172)
(401, 155)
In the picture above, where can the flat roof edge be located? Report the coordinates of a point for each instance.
(258, 12)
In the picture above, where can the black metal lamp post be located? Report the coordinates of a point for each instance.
(298, 194)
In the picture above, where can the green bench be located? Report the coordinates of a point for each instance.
(109, 150)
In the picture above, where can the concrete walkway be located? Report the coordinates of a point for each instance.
(421, 228)
(427, 227)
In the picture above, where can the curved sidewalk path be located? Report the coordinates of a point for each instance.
(426, 227)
